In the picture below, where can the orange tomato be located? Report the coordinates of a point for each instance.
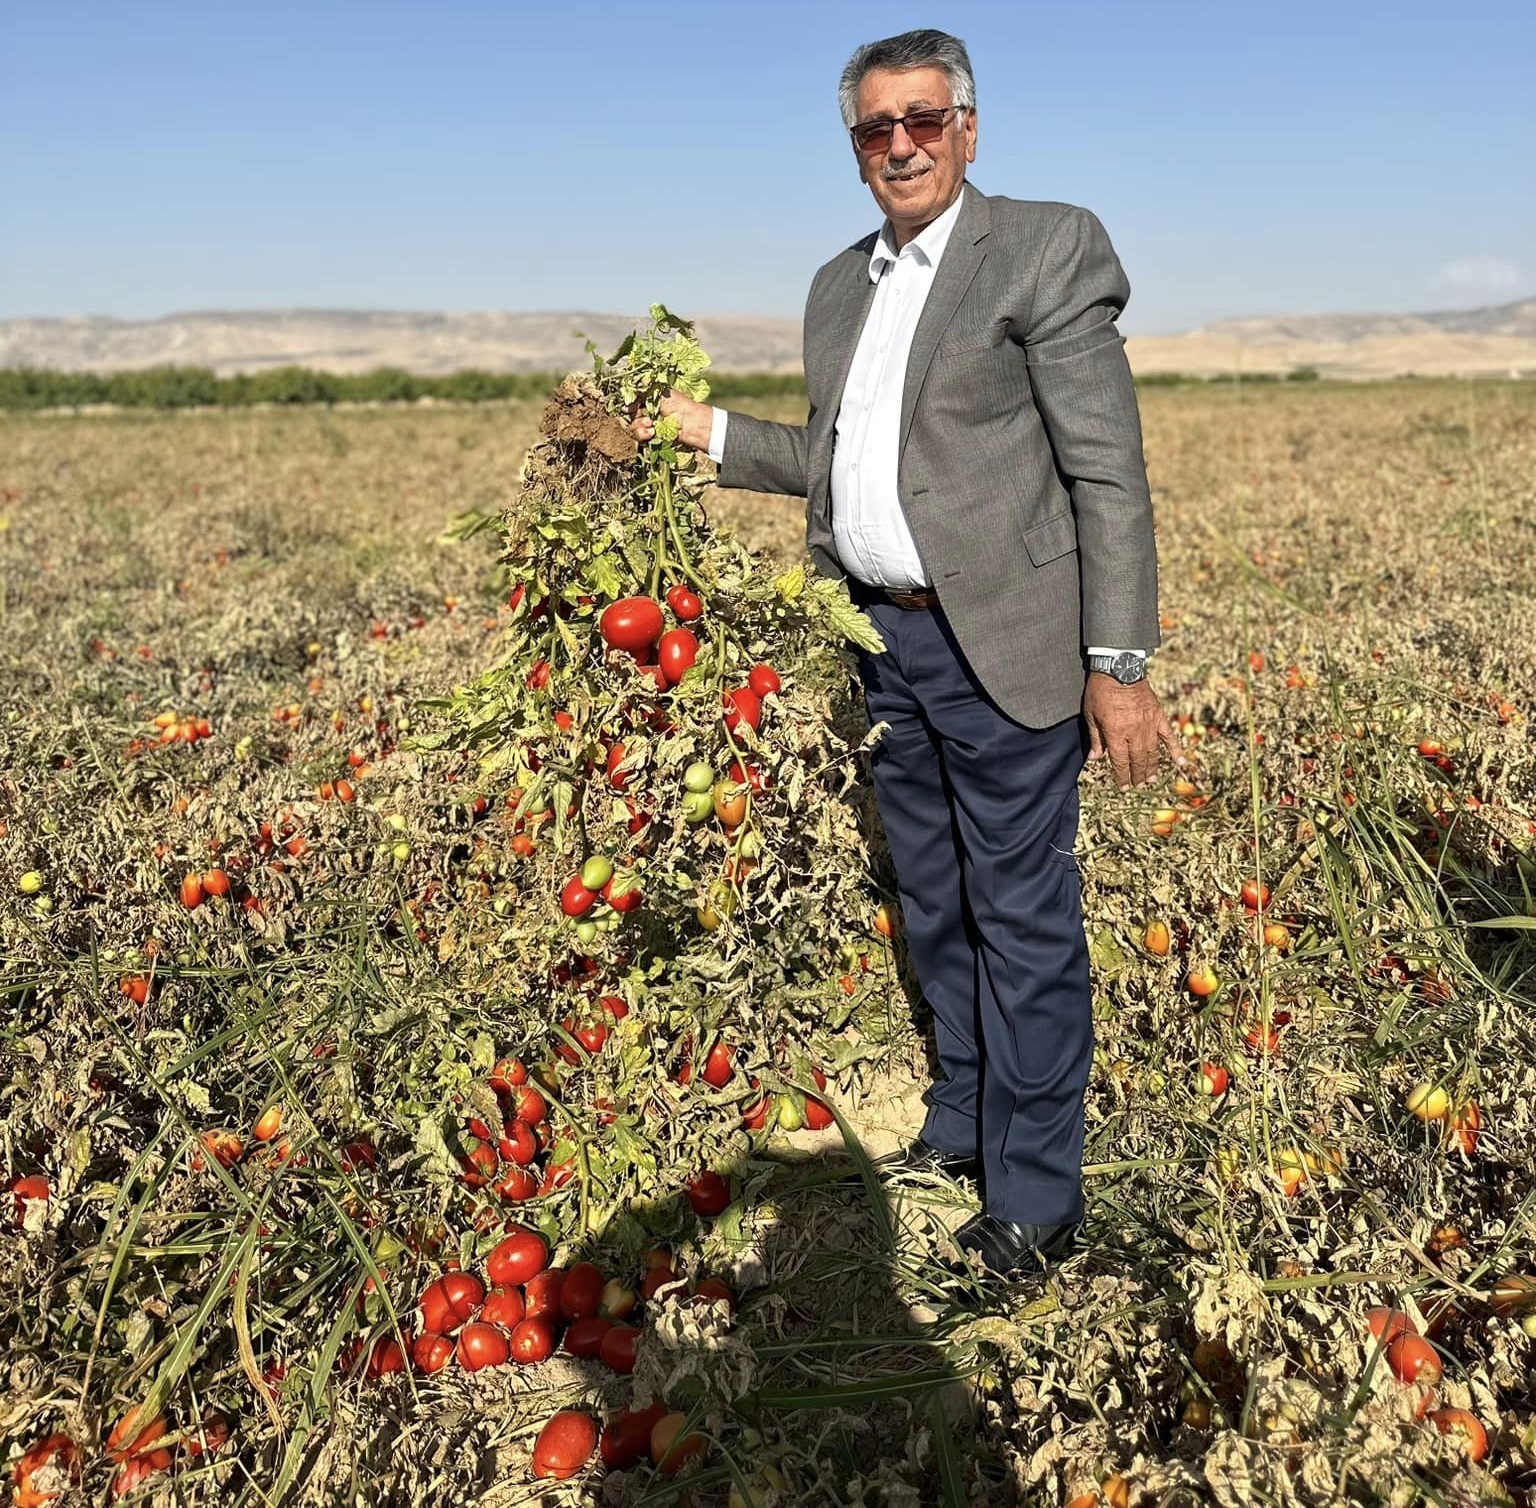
(1413, 1359)
(1202, 982)
(1474, 1437)
(191, 892)
(1157, 939)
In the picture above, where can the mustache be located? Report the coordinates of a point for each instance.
(909, 165)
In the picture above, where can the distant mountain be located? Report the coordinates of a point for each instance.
(1495, 341)
(346, 340)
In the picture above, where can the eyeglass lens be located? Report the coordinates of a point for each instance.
(923, 126)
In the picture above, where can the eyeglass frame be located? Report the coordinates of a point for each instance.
(892, 121)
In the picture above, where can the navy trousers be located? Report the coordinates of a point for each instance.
(981, 815)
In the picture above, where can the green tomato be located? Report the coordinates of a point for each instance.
(698, 807)
(699, 777)
(43, 905)
(790, 1118)
(596, 872)
(750, 845)
(401, 852)
(586, 932)
(30, 883)
(397, 821)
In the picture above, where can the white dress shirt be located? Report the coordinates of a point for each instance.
(868, 525)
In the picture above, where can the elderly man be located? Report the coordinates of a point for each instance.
(972, 465)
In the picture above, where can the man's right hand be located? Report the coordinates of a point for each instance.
(695, 418)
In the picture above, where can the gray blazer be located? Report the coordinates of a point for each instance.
(1021, 473)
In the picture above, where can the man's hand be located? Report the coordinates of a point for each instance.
(1127, 724)
(695, 418)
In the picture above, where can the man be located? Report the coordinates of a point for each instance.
(972, 465)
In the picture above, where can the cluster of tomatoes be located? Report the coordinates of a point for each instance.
(1415, 1363)
(503, 1158)
(784, 1110)
(138, 1448)
(524, 1310)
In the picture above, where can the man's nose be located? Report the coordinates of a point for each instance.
(901, 145)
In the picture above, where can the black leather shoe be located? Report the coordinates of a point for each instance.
(1007, 1248)
(918, 1157)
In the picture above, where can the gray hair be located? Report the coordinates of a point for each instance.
(912, 49)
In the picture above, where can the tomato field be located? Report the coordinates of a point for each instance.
(449, 1013)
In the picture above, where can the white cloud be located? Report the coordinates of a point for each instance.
(1481, 276)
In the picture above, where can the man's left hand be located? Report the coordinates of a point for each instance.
(1127, 724)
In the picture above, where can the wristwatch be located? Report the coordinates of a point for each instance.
(1127, 667)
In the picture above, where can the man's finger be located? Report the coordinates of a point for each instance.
(1120, 761)
(1171, 741)
(1095, 740)
(1143, 760)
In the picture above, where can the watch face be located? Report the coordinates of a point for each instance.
(1127, 669)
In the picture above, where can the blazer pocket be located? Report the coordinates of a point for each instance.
(959, 342)
(1052, 538)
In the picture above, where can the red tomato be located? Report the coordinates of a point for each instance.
(481, 1345)
(818, 1114)
(631, 623)
(715, 1288)
(538, 677)
(24, 1190)
(503, 1307)
(533, 1341)
(517, 1258)
(132, 1474)
(518, 1143)
(764, 680)
(507, 1075)
(709, 1193)
(480, 1163)
(618, 1347)
(623, 892)
(676, 654)
(685, 603)
(575, 898)
(131, 1438)
(541, 1294)
(517, 1184)
(58, 1451)
(448, 1302)
(617, 778)
(626, 1438)
(191, 892)
(528, 1105)
(584, 1338)
(672, 1450)
(431, 1353)
(386, 1357)
(615, 1005)
(750, 776)
(718, 1068)
(565, 1445)
(1413, 1359)
(582, 1290)
(742, 706)
(1255, 895)
(1386, 1324)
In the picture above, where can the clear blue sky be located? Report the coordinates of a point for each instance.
(1246, 158)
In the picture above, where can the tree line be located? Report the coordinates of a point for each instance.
(173, 387)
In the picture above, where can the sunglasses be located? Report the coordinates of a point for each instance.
(923, 126)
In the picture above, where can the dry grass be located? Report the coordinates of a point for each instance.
(1346, 572)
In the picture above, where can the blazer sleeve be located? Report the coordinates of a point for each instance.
(1082, 388)
(765, 457)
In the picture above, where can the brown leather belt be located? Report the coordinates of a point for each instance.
(923, 597)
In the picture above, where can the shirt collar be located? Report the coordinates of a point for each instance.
(926, 247)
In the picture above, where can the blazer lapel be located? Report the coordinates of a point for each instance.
(957, 267)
